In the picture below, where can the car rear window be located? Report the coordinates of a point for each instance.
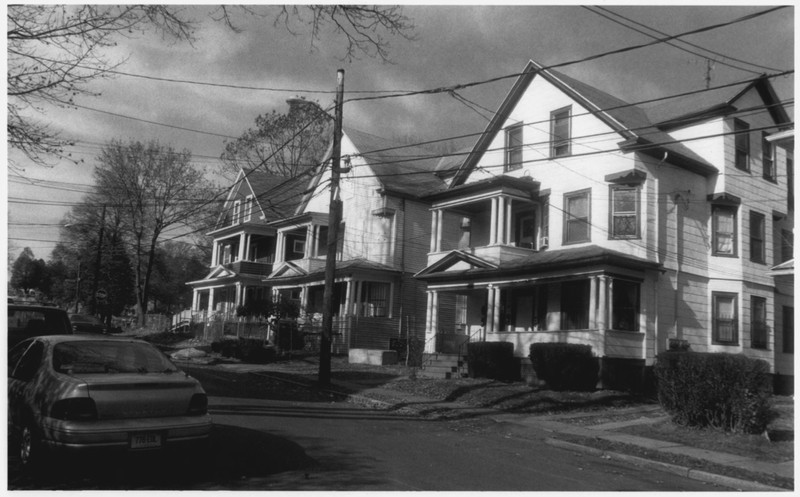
(35, 322)
(107, 357)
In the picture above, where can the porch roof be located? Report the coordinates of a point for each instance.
(525, 184)
(544, 262)
(343, 269)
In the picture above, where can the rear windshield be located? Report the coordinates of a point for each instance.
(107, 357)
(34, 322)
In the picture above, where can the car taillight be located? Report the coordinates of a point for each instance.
(198, 405)
(77, 409)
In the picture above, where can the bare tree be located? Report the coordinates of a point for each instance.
(158, 189)
(54, 51)
(283, 144)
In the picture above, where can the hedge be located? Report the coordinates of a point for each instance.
(727, 391)
(565, 366)
(494, 360)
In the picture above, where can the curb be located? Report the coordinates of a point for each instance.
(361, 399)
(694, 474)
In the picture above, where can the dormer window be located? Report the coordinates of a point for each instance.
(560, 132)
(513, 147)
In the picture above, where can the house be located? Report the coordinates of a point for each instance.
(244, 242)
(580, 218)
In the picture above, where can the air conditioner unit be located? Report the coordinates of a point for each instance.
(544, 242)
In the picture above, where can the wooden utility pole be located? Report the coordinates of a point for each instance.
(334, 219)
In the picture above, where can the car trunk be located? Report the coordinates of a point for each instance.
(140, 395)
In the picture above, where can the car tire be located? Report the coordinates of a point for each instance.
(30, 447)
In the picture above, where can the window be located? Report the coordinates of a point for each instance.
(758, 322)
(248, 208)
(787, 245)
(757, 245)
(625, 306)
(576, 217)
(299, 246)
(741, 132)
(788, 330)
(560, 132)
(624, 212)
(374, 299)
(461, 312)
(526, 230)
(575, 305)
(237, 207)
(725, 329)
(514, 147)
(724, 230)
(767, 160)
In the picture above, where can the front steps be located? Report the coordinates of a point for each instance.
(443, 366)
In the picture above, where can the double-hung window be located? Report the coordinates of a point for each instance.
(237, 211)
(577, 214)
(513, 147)
(723, 230)
(560, 132)
(624, 211)
(375, 299)
(724, 317)
(248, 208)
(758, 322)
(741, 132)
(757, 242)
(625, 305)
(767, 159)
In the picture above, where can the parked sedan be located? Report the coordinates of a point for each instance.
(83, 393)
(86, 324)
(30, 320)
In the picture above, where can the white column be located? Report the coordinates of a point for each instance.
(309, 242)
(493, 223)
(240, 255)
(210, 300)
(214, 253)
(280, 249)
(507, 238)
(501, 220)
(610, 304)
(238, 299)
(602, 304)
(434, 229)
(195, 299)
(348, 300)
(430, 331)
(496, 317)
(490, 309)
(439, 217)
(593, 303)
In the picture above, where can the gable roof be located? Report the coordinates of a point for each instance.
(276, 196)
(677, 112)
(630, 121)
(406, 170)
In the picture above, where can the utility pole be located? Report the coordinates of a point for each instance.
(98, 261)
(334, 219)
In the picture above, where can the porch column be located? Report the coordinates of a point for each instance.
(508, 235)
(434, 229)
(439, 217)
(593, 303)
(493, 222)
(239, 295)
(609, 303)
(431, 322)
(240, 255)
(195, 299)
(602, 303)
(348, 299)
(210, 300)
(309, 242)
(279, 248)
(214, 253)
(501, 220)
(314, 240)
(496, 313)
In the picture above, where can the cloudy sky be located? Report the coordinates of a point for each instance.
(452, 45)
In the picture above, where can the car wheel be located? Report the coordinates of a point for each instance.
(30, 446)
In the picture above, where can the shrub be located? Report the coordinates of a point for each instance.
(250, 350)
(565, 366)
(726, 391)
(408, 349)
(494, 360)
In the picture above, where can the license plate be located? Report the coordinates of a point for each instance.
(146, 440)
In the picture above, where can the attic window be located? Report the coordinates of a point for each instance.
(560, 132)
(248, 208)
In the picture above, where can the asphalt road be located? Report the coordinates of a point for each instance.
(265, 440)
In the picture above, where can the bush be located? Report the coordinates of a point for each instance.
(565, 366)
(412, 350)
(726, 391)
(250, 350)
(494, 360)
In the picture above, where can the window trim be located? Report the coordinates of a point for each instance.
(237, 212)
(768, 157)
(612, 189)
(510, 149)
(554, 145)
(753, 323)
(759, 258)
(566, 217)
(741, 144)
(714, 319)
(248, 208)
(714, 230)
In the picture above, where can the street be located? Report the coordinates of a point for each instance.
(262, 443)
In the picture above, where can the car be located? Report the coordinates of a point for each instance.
(93, 394)
(30, 320)
(82, 323)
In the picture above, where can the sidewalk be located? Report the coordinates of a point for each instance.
(591, 440)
